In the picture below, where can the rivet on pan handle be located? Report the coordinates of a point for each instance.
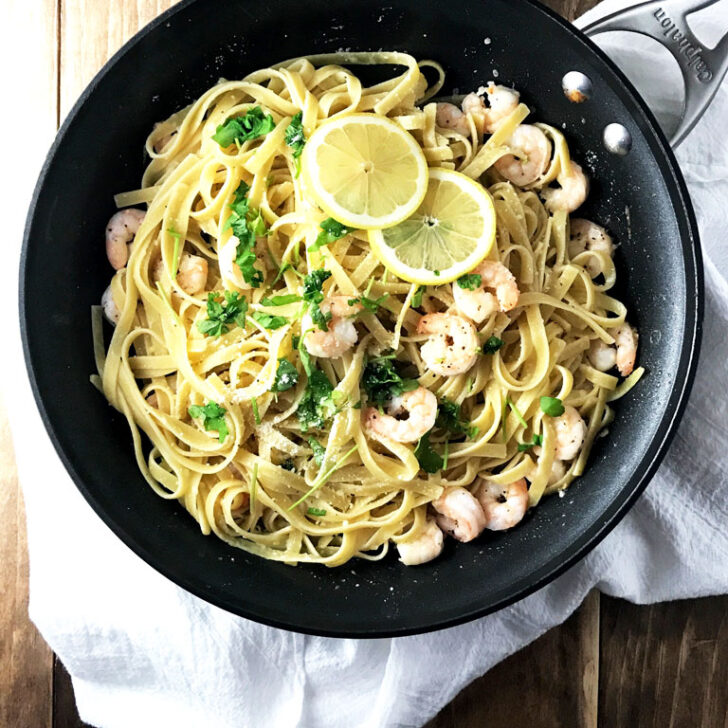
(702, 70)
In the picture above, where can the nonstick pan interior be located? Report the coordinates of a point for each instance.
(99, 151)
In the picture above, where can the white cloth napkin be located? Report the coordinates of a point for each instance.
(144, 653)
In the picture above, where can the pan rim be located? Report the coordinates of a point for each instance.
(574, 551)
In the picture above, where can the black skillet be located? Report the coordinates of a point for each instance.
(640, 197)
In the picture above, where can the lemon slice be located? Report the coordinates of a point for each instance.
(449, 234)
(365, 171)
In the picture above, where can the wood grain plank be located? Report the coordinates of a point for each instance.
(91, 32)
(664, 665)
(550, 684)
(571, 9)
(25, 659)
(65, 714)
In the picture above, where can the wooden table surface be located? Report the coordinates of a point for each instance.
(612, 664)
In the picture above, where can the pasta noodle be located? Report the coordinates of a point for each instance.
(326, 493)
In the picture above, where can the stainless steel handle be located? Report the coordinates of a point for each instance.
(664, 21)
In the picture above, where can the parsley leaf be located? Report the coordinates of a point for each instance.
(295, 138)
(317, 404)
(247, 225)
(524, 446)
(316, 511)
(268, 321)
(319, 451)
(382, 381)
(251, 125)
(428, 459)
(280, 300)
(256, 413)
(370, 304)
(313, 295)
(222, 313)
(552, 406)
(214, 418)
(492, 345)
(331, 230)
(286, 376)
(417, 298)
(448, 418)
(516, 412)
(470, 281)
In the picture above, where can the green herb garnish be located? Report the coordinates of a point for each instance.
(317, 404)
(492, 345)
(417, 298)
(256, 414)
(286, 376)
(552, 406)
(428, 459)
(518, 415)
(316, 511)
(382, 381)
(280, 300)
(313, 295)
(524, 446)
(448, 418)
(319, 451)
(238, 129)
(323, 477)
(295, 139)
(222, 313)
(268, 321)
(370, 304)
(214, 418)
(470, 281)
(331, 230)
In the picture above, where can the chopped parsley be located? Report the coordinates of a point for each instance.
(319, 451)
(370, 304)
(430, 461)
(316, 511)
(417, 298)
(331, 230)
(280, 300)
(256, 414)
(313, 295)
(516, 412)
(238, 129)
(448, 418)
(214, 418)
(222, 313)
(524, 446)
(295, 139)
(286, 376)
(269, 321)
(317, 404)
(382, 381)
(552, 406)
(247, 225)
(492, 345)
(470, 281)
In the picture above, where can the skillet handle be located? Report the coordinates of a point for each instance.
(664, 21)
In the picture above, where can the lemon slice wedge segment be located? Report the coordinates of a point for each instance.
(451, 231)
(365, 171)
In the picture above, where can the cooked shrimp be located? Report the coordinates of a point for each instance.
(625, 338)
(192, 273)
(120, 232)
(459, 514)
(109, 306)
(426, 547)
(572, 192)
(453, 344)
(622, 354)
(588, 236)
(501, 102)
(558, 471)
(498, 291)
(534, 154)
(341, 334)
(602, 356)
(503, 505)
(411, 415)
(570, 432)
(448, 116)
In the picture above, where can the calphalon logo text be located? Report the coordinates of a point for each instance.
(689, 50)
